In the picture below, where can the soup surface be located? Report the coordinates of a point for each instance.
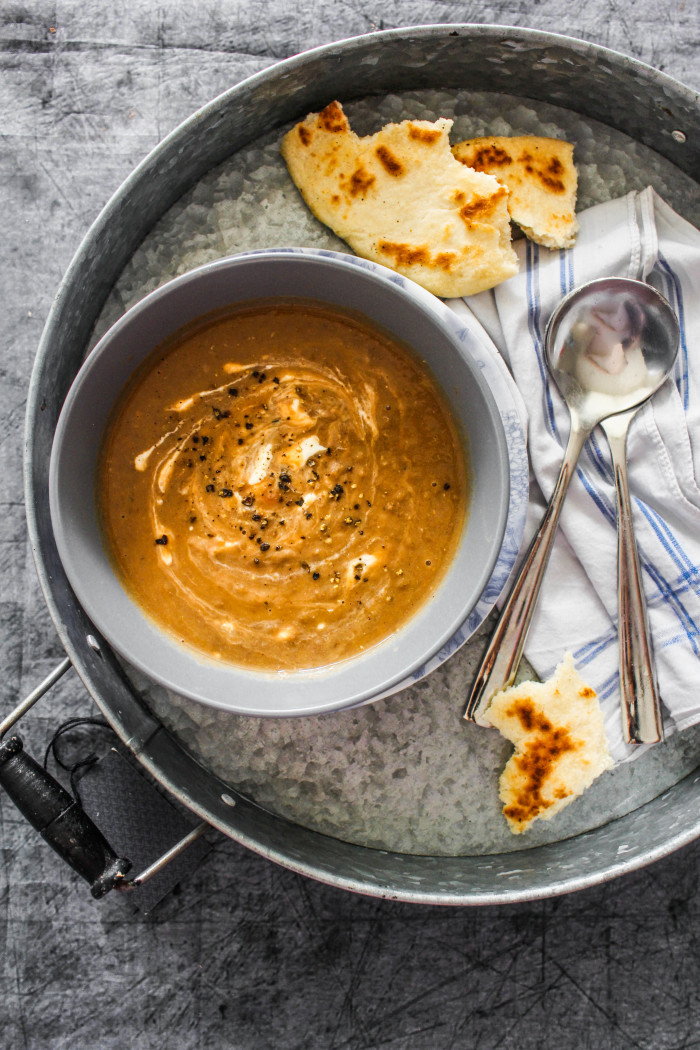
(282, 486)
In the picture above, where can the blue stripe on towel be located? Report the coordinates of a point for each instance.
(688, 569)
(673, 601)
(606, 508)
(675, 297)
(532, 259)
(563, 283)
(609, 687)
(597, 457)
(678, 639)
(566, 271)
(590, 652)
(668, 540)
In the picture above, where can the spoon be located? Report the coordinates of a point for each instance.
(609, 346)
(639, 697)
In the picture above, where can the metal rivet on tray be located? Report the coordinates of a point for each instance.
(228, 800)
(93, 643)
(679, 136)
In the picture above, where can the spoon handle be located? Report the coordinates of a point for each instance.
(500, 662)
(641, 715)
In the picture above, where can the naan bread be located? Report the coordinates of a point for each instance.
(400, 198)
(560, 744)
(541, 178)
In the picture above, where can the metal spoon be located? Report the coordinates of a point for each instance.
(598, 376)
(639, 697)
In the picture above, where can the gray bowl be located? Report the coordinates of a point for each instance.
(397, 304)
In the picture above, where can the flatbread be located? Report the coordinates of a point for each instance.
(560, 744)
(400, 198)
(541, 178)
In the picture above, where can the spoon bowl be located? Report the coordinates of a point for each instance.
(609, 345)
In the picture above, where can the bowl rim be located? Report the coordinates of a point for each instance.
(227, 686)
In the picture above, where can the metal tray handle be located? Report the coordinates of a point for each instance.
(60, 819)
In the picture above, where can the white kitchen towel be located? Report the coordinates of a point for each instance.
(636, 236)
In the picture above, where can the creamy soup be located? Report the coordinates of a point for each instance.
(282, 486)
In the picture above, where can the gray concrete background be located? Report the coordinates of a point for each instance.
(245, 954)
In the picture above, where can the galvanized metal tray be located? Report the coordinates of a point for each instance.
(602, 85)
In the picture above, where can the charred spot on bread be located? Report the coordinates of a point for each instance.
(332, 118)
(445, 260)
(408, 255)
(389, 162)
(360, 181)
(490, 156)
(421, 134)
(404, 254)
(535, 767)
(481, 207)
(550, 177)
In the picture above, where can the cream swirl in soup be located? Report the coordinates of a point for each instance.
(282, 486)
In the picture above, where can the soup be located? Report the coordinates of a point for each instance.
(282, 485)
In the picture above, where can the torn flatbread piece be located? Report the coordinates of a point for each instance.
(541, 178)
(560, 744)
(400, 198)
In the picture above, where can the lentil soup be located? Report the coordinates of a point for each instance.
(282, 485)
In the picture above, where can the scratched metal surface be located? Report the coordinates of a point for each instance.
(248, 955)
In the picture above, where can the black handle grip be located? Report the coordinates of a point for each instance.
(60, 820)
